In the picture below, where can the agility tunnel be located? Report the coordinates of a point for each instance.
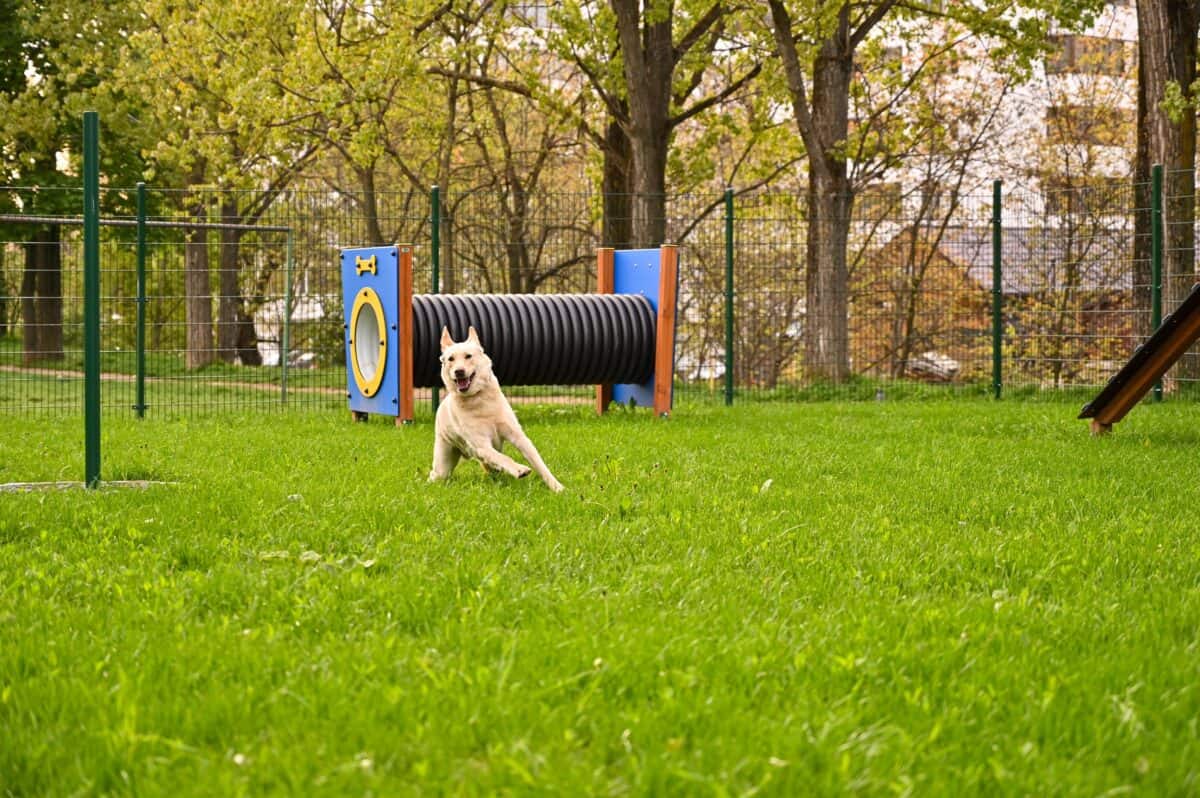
(621, 339)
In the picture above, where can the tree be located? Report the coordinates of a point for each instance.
(1069, 323)
(1166, 134)
(371, 106)
(33, 121)
(816, 41)
(197, 70)
(55, 55)
(522, 131)
(565, 97)
(513, 153)
(919, 167)
(12, 78)
(650, 64)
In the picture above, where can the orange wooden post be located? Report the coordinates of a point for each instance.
(604, 285)
(664, 350)
(404, 335)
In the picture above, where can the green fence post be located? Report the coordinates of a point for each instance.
(140, 347)
(91, 298)
(997, 295)
(728, 296)
(1156, 257)
(285, 347)
(435, 244)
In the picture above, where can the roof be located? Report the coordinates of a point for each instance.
(1035, 260)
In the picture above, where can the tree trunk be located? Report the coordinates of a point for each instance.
(649, 223)
(247, 340)
(826, 329)
(50, 298)
(617, 226)
(196, 286)
(1141, 268)
(908, 297)
(1167, 31)
(366, 178)
(830, 200)
(229, 299)
(41, 297)
(517, 248)
(30, 330)
(449, 262)
(4, 297)
(649, 58)
(823, 124)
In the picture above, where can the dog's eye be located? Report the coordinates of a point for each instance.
(468, 357)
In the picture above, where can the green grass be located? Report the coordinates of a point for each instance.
(917, 598)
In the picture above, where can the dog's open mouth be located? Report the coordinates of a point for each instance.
(463, 383)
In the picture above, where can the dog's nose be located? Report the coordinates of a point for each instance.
(460, 373)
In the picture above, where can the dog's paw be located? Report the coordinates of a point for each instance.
(555, 486)
(522, 472)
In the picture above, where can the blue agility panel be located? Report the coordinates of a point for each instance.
(370, 296)
(638, 271)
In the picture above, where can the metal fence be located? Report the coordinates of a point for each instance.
(215, 300)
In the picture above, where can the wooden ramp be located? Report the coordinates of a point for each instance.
(1149, 363)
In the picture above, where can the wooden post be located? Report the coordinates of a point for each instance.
(1164, 350)
(1150, 361)
(604, 285)
(404, 334)
(664, 350)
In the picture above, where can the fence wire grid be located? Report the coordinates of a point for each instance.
(241, 304)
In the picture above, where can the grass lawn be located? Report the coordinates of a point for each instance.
(941, 598)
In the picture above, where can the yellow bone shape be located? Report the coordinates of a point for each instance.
(364, 265)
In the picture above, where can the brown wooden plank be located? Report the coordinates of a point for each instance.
(404, 334)
(1182, 335)
(604, 285)
(664, 351)
(1147, 364)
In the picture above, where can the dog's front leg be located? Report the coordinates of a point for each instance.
(498, 461)
(445, 458)
(530, 453)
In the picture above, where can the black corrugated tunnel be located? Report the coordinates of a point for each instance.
(540, 339)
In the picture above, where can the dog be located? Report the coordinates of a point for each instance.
(475, 419)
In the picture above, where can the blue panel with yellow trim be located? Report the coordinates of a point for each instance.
(371, 297)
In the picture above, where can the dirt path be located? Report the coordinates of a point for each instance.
(419, 394)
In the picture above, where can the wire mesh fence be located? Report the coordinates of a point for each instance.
(1178, 267)
(215, 300)
(1074, 303)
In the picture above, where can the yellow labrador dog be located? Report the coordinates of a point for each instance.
(475, 419)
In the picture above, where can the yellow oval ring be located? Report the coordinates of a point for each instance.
(367, 299)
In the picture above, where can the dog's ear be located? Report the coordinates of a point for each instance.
(472, 336)
(447, 341)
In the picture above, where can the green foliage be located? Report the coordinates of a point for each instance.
(1176, 103)
(935, 599)
(62, 54)
(237, 94)
(12, 50)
